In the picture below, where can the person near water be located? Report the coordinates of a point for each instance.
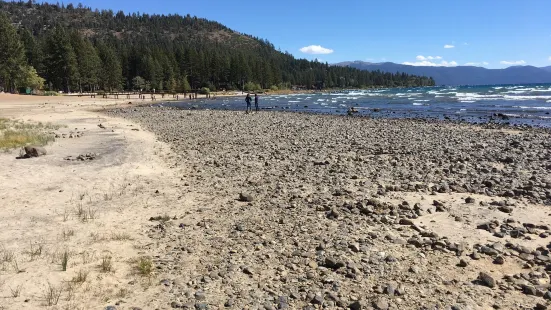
(256, 102)
(248, 101)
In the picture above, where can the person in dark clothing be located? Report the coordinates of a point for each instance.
(256, 102)
(248, 101)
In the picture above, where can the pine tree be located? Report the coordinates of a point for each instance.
(138, 83)
(33, 52)
(89, 63)
(60, 64)
(112, 71)
(12, 55)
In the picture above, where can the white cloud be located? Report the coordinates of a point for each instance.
(465, 43)
(449, 46)
(316, 49)
(549, 58)
(422, 58)
(477, 64)
(427, 63)
(514, 63)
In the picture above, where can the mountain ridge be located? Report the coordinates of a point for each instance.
(462, 75)
(79, 48)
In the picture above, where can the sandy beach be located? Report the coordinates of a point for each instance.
(162, 208)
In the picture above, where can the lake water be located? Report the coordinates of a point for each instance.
(514, 104)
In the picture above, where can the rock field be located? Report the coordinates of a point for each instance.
(305, 211)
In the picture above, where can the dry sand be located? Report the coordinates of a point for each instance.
(40, 200)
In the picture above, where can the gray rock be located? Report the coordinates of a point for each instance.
(201, 306)
(390, 290)
(529, 290)
(248, 270)
(486, 279)
(246, 197)
(499, 260)
(358, 305)
(333, 263)
(200, 295)
(317, 300)
(463, 263)
(381, 304)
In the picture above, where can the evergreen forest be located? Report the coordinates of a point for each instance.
(72, 48)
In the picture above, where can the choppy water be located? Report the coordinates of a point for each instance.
(514, 104)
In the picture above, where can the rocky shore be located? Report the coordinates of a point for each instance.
(300, 211)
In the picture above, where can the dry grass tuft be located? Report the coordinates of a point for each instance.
(80, 277)
(52, 294)
(144, 266)
(14, 134)
(121, 236)
(106, 264)
(36, 250)
(16, 292)
(66, 234)
(64, 260)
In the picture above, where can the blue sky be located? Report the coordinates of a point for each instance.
(489, 33)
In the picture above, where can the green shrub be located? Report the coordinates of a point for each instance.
(51, 93)
(250, 86)
(204, 91)
(274, 88)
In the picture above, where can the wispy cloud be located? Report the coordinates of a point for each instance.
(449, 46)
(477, 64)
(549, 58)
(422, 58)
(465, 43)
(427, 63)
(515, 62)
(316, 49)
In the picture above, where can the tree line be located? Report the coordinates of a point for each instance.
(77, 49)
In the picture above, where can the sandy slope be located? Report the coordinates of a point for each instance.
(40, 200)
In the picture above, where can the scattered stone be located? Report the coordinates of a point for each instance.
(529, 290)
(505, 209)
(463, 263)
(381, 304)
(499, 260)
(245, 197)
(487, 280)
(200, 295)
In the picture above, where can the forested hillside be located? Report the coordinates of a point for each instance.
(80, 49)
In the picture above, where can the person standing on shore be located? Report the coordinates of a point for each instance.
(256, 102)
(248, 101)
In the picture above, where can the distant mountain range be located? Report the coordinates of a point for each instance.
(462, 75)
